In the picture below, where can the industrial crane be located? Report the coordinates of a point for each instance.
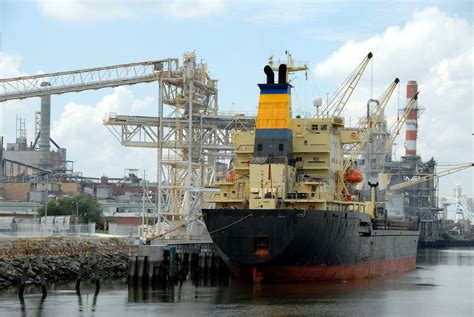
(179, 184)
(394, 129)
(86, 79)
(428, 177)
(353, 175)
(338, 100)
(372, 121)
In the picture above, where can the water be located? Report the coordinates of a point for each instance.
(442, 285)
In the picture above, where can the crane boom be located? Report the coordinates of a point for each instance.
(371, 124)
(428, 177)
(394, 129)
(342, 95)
(86, 79)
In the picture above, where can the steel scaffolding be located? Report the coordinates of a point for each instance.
(192, 139)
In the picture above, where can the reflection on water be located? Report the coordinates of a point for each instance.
(440, 286)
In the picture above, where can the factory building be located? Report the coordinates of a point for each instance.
(417, 204)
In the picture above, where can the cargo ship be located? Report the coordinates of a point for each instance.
(286, 211)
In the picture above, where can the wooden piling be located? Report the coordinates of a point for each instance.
(202, 261)
(41, 273)
(141, 266)
(172, 266)
(79, 273)
(151, 269)
(132, 268)
(95, 267)
(24, 277)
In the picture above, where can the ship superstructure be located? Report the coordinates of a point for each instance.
(288, 162)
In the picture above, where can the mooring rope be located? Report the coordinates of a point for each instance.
(174, 229)
(232, 224)
(190, 221)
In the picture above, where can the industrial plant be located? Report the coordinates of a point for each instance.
(194, 143)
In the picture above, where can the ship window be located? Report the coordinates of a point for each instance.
(259, 147)
(324, 127)
(305, 142)
(280, 147)
(314, 127)
(299, 159)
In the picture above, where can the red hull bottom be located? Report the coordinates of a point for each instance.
(325, 273)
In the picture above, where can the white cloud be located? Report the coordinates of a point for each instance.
(9, 67)
(87, 10)
(92, 146)
(281, 12)
(79, 128)
(435, 49)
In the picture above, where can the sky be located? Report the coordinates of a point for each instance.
(427, 41)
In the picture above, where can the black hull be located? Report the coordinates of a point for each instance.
(292, 245)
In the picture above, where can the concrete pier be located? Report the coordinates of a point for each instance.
(168, 261)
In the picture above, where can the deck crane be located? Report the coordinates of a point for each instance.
(347, 174)
(338, 100)
(394, 129)
(370, 126)
(428, 177)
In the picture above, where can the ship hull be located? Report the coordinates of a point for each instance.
(292, 245)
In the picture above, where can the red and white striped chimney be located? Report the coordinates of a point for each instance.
(411, 121)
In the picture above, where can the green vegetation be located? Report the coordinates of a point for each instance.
(447, 237)
(85, 207)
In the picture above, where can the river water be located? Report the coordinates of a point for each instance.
(441, 285)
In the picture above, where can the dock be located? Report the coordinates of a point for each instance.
(172, 260)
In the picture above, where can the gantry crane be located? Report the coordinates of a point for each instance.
(338, 100)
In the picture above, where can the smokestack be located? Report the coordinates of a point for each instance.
(45, 128)
(411, 121)
(282, 74)
(270, 75)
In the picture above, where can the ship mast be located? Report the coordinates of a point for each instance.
(291, 65)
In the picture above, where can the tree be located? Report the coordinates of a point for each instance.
(85, 207)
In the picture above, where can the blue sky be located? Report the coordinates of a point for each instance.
(236, 43)
(235, 37)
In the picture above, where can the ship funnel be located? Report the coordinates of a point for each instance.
(282, 74)
(270, 75)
